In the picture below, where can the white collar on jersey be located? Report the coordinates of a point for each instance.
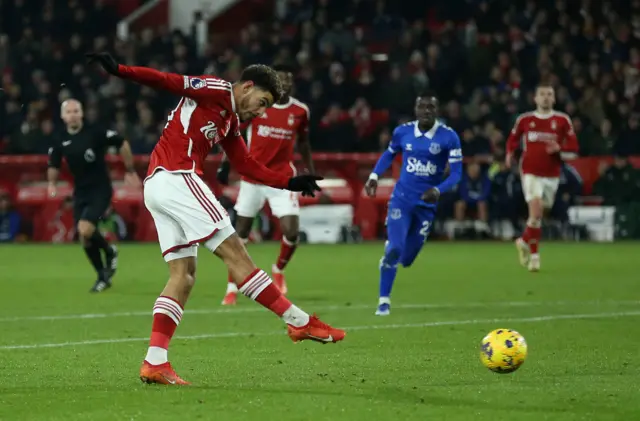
(543, 116)
(428, 134)
(283, 106)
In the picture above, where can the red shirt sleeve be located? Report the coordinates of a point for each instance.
(513, 142)
(236, 150)
(196, 87)
(569, 147)
(304, 123)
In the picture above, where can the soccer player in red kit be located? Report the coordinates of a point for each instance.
(546, 138)
(271, 139)
(187, 214)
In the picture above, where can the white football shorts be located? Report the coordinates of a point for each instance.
(252, 197)
(544, 188)
(186, 214)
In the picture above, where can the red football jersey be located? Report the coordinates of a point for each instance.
(204, 116)
(271, 137)
(533, 132)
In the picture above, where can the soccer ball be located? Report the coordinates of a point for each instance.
(503, 350)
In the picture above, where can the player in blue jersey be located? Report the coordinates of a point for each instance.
(427, 146)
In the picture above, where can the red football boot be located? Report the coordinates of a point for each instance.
(317, 331)
(230, 299)
(160, 374)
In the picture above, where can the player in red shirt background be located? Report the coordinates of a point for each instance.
(271, 139)
(546, 138)
(185, 211)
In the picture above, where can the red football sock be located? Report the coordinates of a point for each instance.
(167, 314)
(287, 249)
(258, 287)
(534, 239)
(526, 234)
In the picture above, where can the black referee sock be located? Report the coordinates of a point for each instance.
(99, 241)
(93, 253)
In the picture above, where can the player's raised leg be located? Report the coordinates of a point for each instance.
(257, 285)
(398, 223)
(284, 205)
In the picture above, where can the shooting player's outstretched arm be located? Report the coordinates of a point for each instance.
(236, 150)
(196, 87)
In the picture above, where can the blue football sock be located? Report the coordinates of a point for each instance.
(387, 276)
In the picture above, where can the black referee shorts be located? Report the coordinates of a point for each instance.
(91, 206)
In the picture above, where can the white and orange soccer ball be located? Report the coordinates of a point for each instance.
(503, 350)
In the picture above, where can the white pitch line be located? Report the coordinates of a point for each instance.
(256, 309)
(351, 328)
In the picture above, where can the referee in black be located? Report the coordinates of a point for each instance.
(84, 148)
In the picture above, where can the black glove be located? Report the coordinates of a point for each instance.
(306, 183)
(431, 196)
(223, 173)
(108, 63)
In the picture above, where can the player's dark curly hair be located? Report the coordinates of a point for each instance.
(265, 78)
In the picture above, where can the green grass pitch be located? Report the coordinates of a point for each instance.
(68, 355)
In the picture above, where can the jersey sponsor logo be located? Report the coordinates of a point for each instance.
(434, 148)
(210, 131)
(197, 83)
(274, 132)
(541, 137)
(421, 169)
(89, 155)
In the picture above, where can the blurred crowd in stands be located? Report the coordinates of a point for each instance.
(359, 66)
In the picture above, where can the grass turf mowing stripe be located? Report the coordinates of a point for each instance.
(351, 328)
(255, 309)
